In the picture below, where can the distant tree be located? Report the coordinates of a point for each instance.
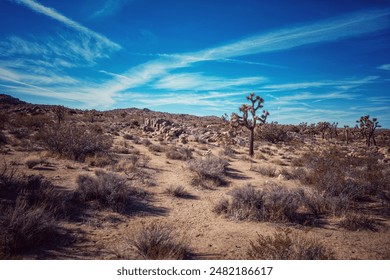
(59, 112)
(333, 130)
(225, 117)
(346, 132)
(92, 115)
(244, 120)
(322, 127)
(367, 128)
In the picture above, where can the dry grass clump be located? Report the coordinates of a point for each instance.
(108, 190)
(30, 208)
(228, 152)
(273, 204)
(177, 191)
(146, 142)
(74, 142)
(159, 242)
(357, 222)
(208, 171)
(179, 153)
(101, 159)
(25, 226)
(264, 170)
(20, 132)
(156, 148)
(284, 245)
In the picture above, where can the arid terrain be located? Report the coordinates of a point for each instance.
(139, 184)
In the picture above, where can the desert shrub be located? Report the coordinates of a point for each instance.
(177, 191)
(30, 209)
(156, 148)
(4, 119)
(129, 136)
(74, 142)
(25, 227)
(30, 122)
(264, 170)
(158, 242)
(274, 204)
(335, 173)
(33, 161)
(107, 189)
(146, 142)
(101, 159)
(284, 245)
(19, 132)
(357, 222)
(273, 133)
(3, 138)
(208, 170)
(179, 153)
(228, 151)
(318, 204)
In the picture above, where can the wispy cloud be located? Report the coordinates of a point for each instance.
(49, 78)
(52, 13)
(344, 84)
(200, 82)
(240, 61)
(384, 67)
(63, 51)
(350, 25)
(110, 7)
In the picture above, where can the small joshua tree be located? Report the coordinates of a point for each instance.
(250, 124)
(346, 132)
(367, 128)
(59, 112)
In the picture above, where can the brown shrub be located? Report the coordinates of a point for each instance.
(357, 222)
(158, 242)
(264, 170)
(156, 148)
(179, 153)
(273, 133)
(208, 171)
(284, 245)
(26, 226)
(30, 208)
(228, 152)
(4, 120)
(3, 138)
(109, 190)
(336, 174)
(273, 204)
(74, 142)
(177, 191)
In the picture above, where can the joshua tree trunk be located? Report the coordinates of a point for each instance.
(251, 142)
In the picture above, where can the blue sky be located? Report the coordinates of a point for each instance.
(310, 60)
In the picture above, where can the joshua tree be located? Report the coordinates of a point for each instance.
(250, 124)
(59, 112)
(323, 127)
(333, 130)
(367, 128)
(346, 131)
